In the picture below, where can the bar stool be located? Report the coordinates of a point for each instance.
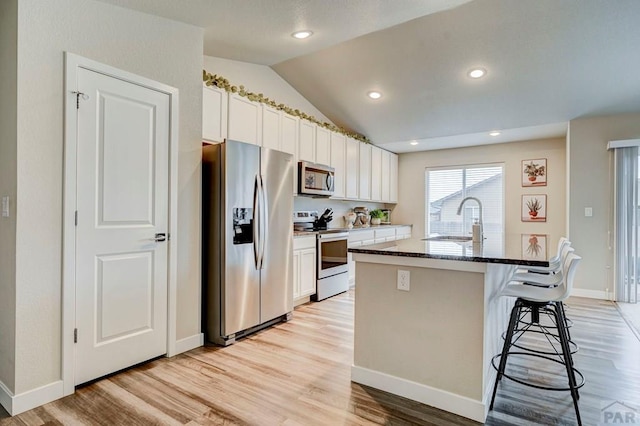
(549, 300)
(549, 276)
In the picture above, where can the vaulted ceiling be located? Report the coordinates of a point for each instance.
(547, 61)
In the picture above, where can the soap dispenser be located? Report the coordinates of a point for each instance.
(476, 232)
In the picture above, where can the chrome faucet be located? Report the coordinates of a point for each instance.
(480, 212)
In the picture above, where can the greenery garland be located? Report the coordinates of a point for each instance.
(222, 83)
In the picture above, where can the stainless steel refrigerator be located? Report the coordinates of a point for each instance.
(247, 239)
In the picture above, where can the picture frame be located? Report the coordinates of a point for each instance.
(534, 172)
(534, 247)
(534, 208)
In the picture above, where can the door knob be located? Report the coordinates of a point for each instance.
(160, 237)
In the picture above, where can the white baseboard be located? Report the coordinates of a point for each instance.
(16, 404)
(6, 398)
(188, 343)
(457, 404)
(591, 294)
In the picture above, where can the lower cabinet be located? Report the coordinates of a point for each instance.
(304, 267)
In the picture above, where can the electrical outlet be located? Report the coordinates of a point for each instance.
(404, 280)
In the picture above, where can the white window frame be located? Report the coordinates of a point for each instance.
(457, 167)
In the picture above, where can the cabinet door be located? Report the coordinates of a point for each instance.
(245, 120)
(393, 178)
(214, 114)
(323, 145)
(385, 178)
(296, 274)
(376, 173)
(364, 172)
(307, 272)
(352, 163)
(270, 127)
(307, 141)
(338, 163)
(289, 143)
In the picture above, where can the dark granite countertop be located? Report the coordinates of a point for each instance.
(512, 249)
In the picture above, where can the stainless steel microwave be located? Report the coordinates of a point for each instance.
(315, 180)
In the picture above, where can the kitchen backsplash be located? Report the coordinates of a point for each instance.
(340, 207)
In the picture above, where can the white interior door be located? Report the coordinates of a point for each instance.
(122, 205)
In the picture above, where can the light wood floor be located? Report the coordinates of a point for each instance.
(297, 373)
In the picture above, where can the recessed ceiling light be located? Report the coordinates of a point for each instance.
(374, 95)
(477, 73)
(302, 34)
(494, 133)
(413, 143)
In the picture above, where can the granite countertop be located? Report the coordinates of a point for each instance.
(508, 249)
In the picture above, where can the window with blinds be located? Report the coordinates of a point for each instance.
(447, 187)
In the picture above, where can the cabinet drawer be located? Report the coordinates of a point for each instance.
(384, 233)
(361, 235)
(305, 242)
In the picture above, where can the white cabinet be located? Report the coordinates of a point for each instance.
(289, 143)
(304, 267)
(364, 172)
(270, 127)
(376, 174)
(323, 145)
(384, 234)
(393, 178)
(384, 176)
(307, 141)
(338, 153)
(214, 114)
(245, 120)
(352, 163)
(403, 232)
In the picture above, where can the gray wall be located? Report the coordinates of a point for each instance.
(153, 47)
(590, 184)
(8, 154)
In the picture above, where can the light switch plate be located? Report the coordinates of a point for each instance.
(5, 206)
(588, 212)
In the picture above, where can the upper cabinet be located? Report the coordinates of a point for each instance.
(393, 179)
(385, 178)
(271, 127)
(364, 172)
(245, 120)
(214, 114)
(352, 163)
(338, 156)
(307, 141)
(323, 145)
(376, 174)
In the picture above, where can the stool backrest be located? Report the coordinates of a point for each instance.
(568, 272)
(563, 244)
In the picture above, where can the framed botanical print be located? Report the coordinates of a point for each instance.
(534, 172)
(534, 208)
(534, 246)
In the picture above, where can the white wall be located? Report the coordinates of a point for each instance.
(411, 190)
(261, 79)
(153, 47)
(8, 149)
(590, 185)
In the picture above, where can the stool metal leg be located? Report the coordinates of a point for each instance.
(513, 324)
(567, 360)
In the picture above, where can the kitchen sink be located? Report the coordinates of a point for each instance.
(452, 238)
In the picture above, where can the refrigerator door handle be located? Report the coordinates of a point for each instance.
(256, 221)
(264, 226)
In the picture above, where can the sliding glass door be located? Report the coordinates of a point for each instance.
(627, 222)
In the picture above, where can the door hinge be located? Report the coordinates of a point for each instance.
(78, 95)
(75, 335)
(76, 217)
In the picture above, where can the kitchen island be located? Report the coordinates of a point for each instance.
(434, 343)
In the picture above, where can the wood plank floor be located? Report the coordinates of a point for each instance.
(297, 373)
